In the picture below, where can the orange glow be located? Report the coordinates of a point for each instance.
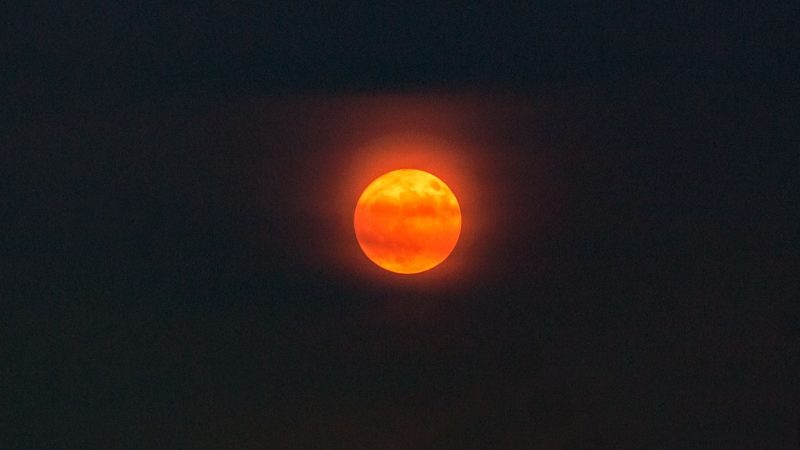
(407, 221)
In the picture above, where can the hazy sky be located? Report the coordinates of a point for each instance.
(180, 269)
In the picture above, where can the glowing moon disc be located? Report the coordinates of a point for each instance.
(407, 221)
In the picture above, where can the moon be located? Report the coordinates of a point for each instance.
(407, 221)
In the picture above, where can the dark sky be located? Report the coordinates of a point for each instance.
(177, 269)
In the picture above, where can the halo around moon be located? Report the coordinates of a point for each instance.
(407, 221)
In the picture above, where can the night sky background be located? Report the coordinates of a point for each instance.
(175, 272)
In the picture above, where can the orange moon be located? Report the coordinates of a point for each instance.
(407, 221)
